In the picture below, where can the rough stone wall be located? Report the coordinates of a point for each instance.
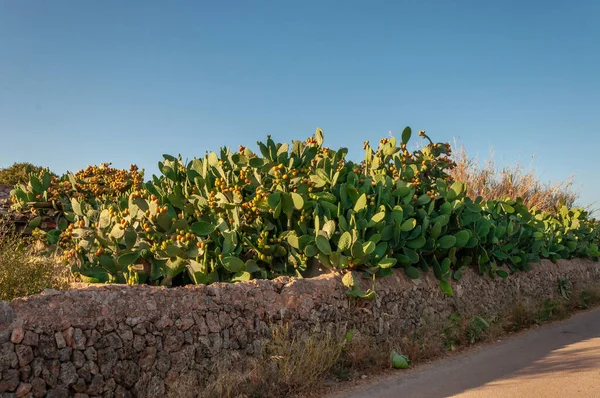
(124, 341)
(5, 198)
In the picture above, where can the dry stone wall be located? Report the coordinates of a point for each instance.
(139, 341)
(5, 198)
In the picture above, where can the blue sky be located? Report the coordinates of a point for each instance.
(124, 81)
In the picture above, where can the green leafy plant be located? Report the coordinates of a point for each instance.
(399, 361)
(234, 216)
(565, 288)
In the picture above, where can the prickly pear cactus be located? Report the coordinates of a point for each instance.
(234, 216)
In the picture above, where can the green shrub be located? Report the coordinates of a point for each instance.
(240, 215)
(18, 173)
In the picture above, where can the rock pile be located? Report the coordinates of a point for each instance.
(5, 198)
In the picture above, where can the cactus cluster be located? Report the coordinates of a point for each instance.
(233, 216)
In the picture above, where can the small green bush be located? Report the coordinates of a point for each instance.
(18, 173)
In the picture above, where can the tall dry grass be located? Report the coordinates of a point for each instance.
(491, 182)
(23, 269)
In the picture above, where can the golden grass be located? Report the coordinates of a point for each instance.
(301, 361)
(487, 180)
(291, 364)
(23, 270)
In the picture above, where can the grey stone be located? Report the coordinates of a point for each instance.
(129, 321)
(50, 372)
(84, 374)
(78, 359)
(36, 367)
(201, 324)
(121, 392)
(60, 340)
(150, 340)
(110, 385)
(96, 387)
(225, 319)
(163, 362)
(114, 341)
(163, 323)
(139, 342)
(31, 338)
(188, 337)
(125, 333)
(5, 336)
(185, 323)
(182, 359)
(6, 313)
(8, 357)
(58, 392)
(126, 373)
(24, 354)
(68, 374)
(139, 329)
(79, 386)
(156, 387)
(47, 347)
(23, 389)
(25, 373)
(147, 358)
(93, 338)
(79, 339)
(92, 367)
(68, 336)
(9, 381)
(212, 321)
(174, 341)
(107, 359)
(64, 354)
(91, 354)
(38, 387)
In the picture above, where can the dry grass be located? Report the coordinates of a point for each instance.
(291, 364)
(23, 270)
(296, 364)
(364, 354)
(301, 361)
(485, 179)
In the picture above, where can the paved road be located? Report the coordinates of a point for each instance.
(559, 360)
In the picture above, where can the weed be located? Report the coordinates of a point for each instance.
(476, 330)
(550, 310)
(565, 288)
(302, 360)
(23, 270)
(519, 316)
(464, 330)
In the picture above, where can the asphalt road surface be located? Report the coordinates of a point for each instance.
(557, 360)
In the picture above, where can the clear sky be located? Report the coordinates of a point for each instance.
(84, 82)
